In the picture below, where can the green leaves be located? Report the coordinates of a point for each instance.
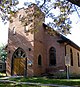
(61, 21)
(3, 54)
(7, 7)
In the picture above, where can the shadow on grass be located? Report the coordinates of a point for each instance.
(16, 85)
(44, 80)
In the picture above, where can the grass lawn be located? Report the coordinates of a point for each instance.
(44, 80)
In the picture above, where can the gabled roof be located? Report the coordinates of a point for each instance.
(64, 39)
(68, 41)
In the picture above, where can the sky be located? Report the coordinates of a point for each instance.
(74, 36)
(3, 33)
(4, 28)
(75, 30)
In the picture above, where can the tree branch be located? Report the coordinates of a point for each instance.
(76, 2)
(43, 4)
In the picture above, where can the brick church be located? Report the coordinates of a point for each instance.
(34, 48)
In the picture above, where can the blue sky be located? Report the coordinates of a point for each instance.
(75, 31)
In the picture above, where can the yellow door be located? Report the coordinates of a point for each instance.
(18, 66)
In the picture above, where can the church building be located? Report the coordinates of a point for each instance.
(35, 49)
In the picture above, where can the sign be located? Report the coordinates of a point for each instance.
(67, 60)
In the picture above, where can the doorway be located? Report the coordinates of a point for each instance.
(19, 63)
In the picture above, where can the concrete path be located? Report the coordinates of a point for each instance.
(4, 79)
(31, 83)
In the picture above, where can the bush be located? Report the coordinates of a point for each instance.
(55, 75)
(74, 76)
(60, 75)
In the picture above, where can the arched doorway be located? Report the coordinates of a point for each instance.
(19, 62)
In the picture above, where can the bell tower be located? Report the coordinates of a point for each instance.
(25, 28)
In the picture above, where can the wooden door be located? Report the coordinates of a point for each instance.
(18, 66)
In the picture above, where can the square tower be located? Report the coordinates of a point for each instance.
(25, 28)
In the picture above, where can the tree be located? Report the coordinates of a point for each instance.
(3, 54)
(60, 22)
(76, 2)
(7, 7)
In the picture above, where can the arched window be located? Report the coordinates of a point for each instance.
(71, 56)
(19, 53)
(39, 60)
(52, 56)
(78, 59)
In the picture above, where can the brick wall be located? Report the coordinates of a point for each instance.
(75, 68)
(36, 42)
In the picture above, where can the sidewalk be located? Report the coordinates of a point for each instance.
(36, 84)
(5, 79)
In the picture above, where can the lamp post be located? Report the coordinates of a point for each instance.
(67, 63)
(67, 72)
